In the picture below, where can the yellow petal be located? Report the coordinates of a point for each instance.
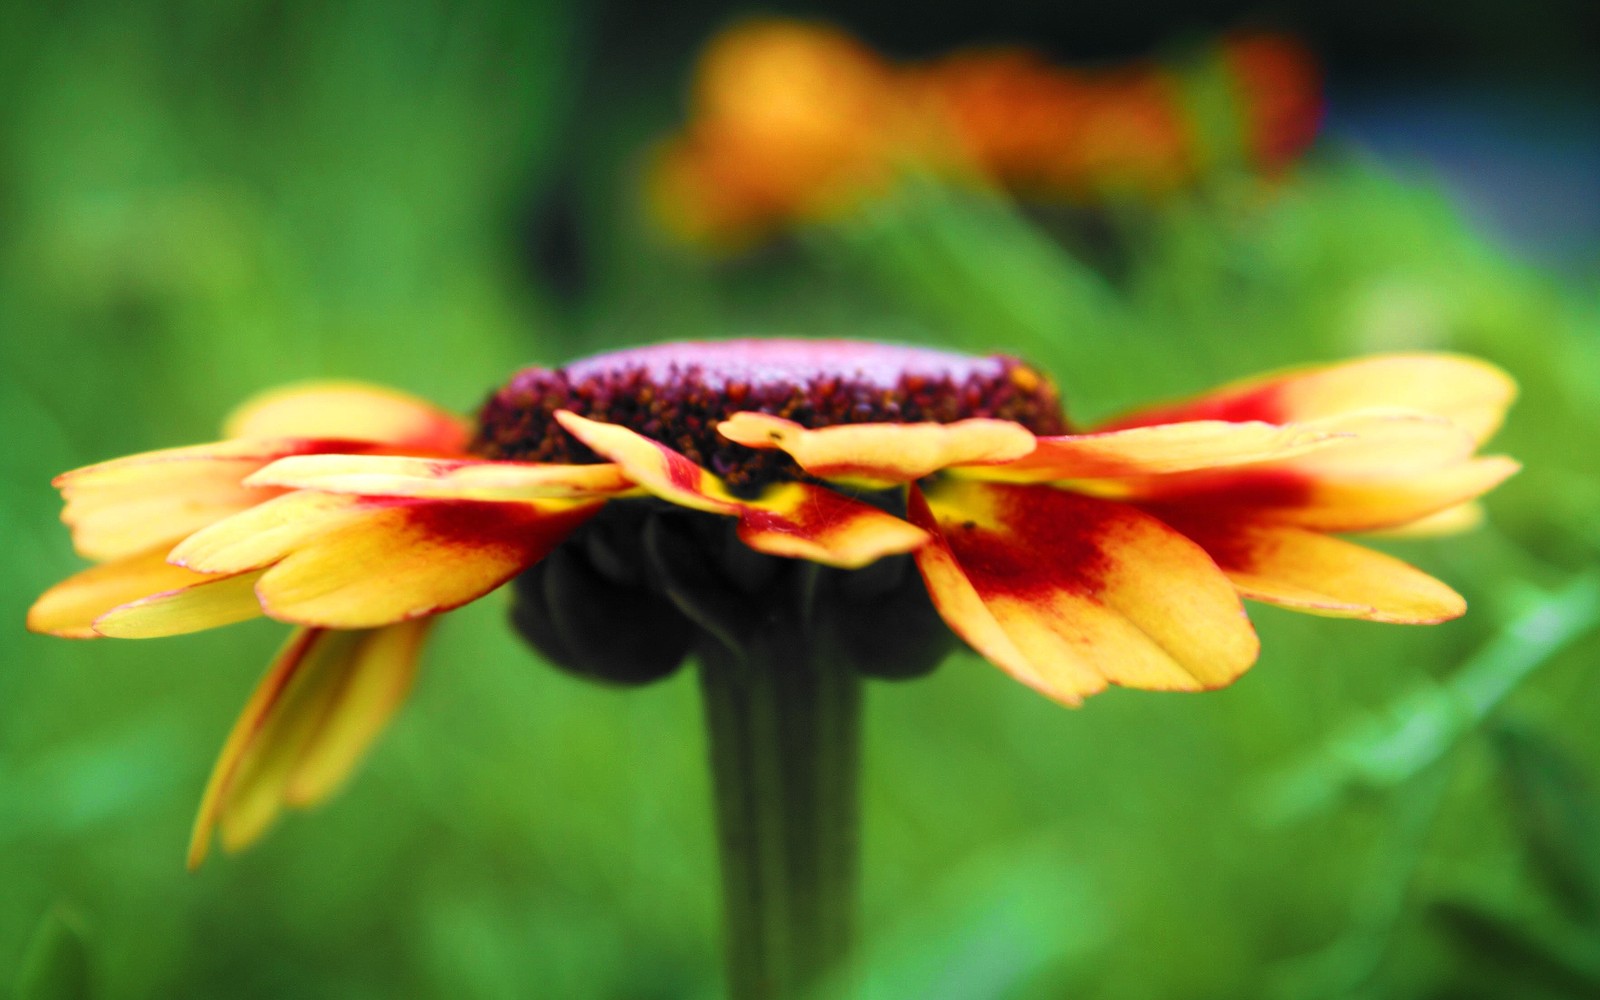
(132, 504)
(399, 559)
(1307, 571)
(805, 521)
(211, 603)
(1159, 450)
(314, 715)
(882, 453)
(169, 600)
(262, 535)
(1470, 393)
(1450, 521)
(1083, 592)
(349, 410)
(653, 465)
(442, 478)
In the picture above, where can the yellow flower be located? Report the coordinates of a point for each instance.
(1069, 560)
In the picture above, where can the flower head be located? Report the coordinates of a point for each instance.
(648, 502)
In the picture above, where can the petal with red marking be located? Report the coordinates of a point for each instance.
(395, 559)
(1470, 393)
(442, 478)
(138, 597)
(350, 410)
(805, 521)
(1292, 496)
(1307, 571)
(309, 722)
(653, 465)
(1083, 591)
(882, 453)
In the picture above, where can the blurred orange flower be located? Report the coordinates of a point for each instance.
(793, 121)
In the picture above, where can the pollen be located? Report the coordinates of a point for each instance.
(677, 394)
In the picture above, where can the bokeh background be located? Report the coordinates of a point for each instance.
(199, 200)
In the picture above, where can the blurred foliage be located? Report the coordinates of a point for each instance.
(198, 200)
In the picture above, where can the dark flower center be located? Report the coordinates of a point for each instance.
(677, 394)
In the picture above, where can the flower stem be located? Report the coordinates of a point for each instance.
(783, 721)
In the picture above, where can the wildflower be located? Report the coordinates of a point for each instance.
(797, 122)
(671, 486)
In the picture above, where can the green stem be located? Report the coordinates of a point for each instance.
(784, 735)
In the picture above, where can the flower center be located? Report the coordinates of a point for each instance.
(677, 394)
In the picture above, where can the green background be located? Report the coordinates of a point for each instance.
(201, 200)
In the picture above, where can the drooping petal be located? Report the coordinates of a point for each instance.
(882, 453)
(401, 559)
(798, 520)
(1470, 393)
(1160, 450)
(805, 521)
(1084, 592)
(127, 505)
(1309, 571)
(1325, 503)
(309, 722)
(653, 465)
(141, 596)
(442, 478)
(350, 410)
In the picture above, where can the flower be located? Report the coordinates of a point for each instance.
(792, 121)
(1070, 560)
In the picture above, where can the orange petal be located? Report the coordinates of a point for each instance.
(141, 596)
(309, 722)
(398, 559)
(1164, 449)
(1292, 496)
(442, 478)
(1307, 571)
(805, 521)
(349, 410)
(882, 453)
(1470, 393)
(1083, 592)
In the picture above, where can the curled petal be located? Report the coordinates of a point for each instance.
(309, 722)
(1159, 450)
(141, 597)
(350, 410)
(653, 465)
(1068, 592)
(798, 520)
(442, 478)
(1470, 393)
(1307, 571)
(805, 521)
(882, 453)
(1450, 521)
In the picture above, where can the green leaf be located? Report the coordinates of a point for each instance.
(56, 964)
